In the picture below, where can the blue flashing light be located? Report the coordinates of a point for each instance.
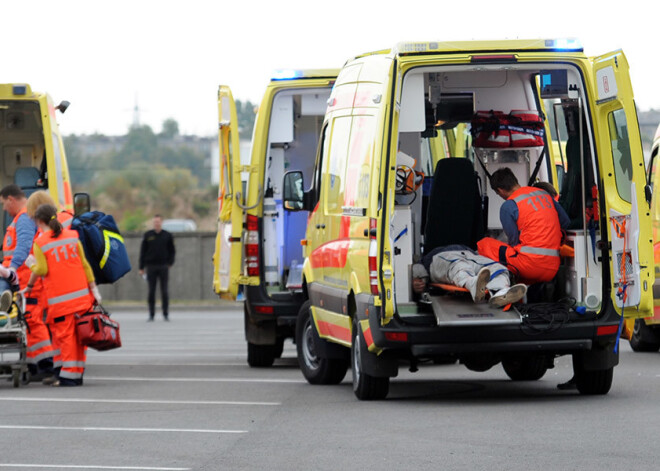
(19, 89)
(287, 74)
(566, 44)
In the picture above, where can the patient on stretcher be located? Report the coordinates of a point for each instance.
(460, 266)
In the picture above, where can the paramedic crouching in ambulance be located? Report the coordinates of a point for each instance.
(532, 221)
(70, 289)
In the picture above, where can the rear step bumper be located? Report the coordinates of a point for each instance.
(555, 346)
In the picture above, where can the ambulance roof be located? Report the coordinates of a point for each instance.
(16, 90)
(301, 74)
(527, 45)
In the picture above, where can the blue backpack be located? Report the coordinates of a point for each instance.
(103, 244)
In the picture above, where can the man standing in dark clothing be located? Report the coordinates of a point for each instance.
(157, 256)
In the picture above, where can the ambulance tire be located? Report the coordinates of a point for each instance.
(315, 368)
(593, 383)
(260, 356)
(644, 338)
(365, 387)
(525, 368)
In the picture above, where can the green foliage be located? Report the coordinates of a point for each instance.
(142, 173)
(133, 220)
(170, 128)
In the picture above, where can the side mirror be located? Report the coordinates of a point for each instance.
(648, 193)
(561, 172)
(293, 195)
(62, 106)
(82, 203)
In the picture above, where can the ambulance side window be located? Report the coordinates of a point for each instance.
(316, 183)
(621, 156)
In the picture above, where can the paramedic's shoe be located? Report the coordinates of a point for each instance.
(508, 295)
(49, 381)
(477, 287)
(5, 300)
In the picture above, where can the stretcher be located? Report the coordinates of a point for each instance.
(13, 344)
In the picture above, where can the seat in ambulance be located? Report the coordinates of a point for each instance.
(454, 213)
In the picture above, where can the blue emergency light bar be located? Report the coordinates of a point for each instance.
(19, 89)
(565, 44)
(287, 74)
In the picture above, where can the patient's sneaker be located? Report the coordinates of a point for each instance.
(5, 300)
(477, 286)
(508, 295)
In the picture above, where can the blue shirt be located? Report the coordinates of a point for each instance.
(509, 220)
(25, 231)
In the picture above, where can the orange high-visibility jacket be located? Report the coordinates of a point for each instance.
(538, 223)
(8, 246)
(65, 283)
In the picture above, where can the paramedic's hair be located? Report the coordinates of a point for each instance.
(36, 199)
(47, 214)
(503, 179)
(12, 190)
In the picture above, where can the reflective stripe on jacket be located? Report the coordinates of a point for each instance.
(65, 284)
(538, 223)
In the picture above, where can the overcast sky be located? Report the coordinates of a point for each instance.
(171, 56)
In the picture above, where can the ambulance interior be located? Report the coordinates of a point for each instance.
(22, 147)
(295, 124)
(439, 106)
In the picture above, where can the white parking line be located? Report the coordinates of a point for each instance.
(194, 380)
(117, 429)
(138, 401)
(74, 466)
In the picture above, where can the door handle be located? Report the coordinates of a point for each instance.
(320, 226)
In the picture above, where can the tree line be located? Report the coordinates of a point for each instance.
(143, 173)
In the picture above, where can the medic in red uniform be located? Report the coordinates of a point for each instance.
(69, 285)
(532, 221)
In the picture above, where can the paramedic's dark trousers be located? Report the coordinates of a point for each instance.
(155, 273)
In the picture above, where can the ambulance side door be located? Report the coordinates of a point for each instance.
(622, 161)
(227, 259)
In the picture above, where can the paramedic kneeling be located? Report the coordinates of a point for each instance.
(70, 289)
(533, 223)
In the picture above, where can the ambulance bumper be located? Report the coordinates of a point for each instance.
(426, 339)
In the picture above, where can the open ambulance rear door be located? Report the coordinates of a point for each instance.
(229, 238)
(626, 209)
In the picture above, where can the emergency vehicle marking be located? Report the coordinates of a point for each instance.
(327, 329)
(332, 325)
(332, 254)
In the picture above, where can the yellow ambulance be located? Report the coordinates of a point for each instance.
(258, 249)
(32, 151)
(645, 333)
(371, 219)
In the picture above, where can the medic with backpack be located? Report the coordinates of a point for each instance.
(35, 297)
(69, 286)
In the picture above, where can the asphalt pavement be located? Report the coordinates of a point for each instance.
(179, 396)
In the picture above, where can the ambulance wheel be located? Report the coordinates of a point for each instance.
(365, 387)
(525, 368)
(592, 383)
(644, 338)
(260, 356)
(315, 368)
